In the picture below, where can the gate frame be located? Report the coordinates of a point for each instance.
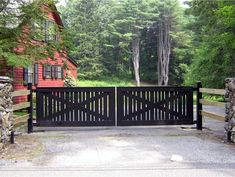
(41, 123)
(155, 122)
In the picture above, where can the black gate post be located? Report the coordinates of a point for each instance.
(199, 106)
(30, 109)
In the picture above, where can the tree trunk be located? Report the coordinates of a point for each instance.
(136, 59)
(163, 51)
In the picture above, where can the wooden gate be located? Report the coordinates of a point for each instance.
(155, 105)
(75, 106)
(89, 106)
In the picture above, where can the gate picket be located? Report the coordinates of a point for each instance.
(84, 106)
(75, 106)
(160, 106)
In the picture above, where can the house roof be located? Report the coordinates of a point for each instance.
(56, 15)
(72, 61)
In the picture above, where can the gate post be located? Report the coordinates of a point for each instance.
(199, 106)
(30, 109)
(230, 109)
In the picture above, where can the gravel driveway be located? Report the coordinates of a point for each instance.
(108, 149)
(121, 151)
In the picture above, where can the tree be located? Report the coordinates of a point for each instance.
(17, 32)
(214, 42)
(132, 16)
(86, 26)
(165, 24)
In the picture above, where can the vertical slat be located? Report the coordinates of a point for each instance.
(167, 105)
(39, 106)
(180, 105)
(190, 106)
(199, 106)
(96, 107)
(147, 98)
(91, 105)
(46, 105)
(50, 106)
(176, 105)
(152, 107)
(80, 106)
(124, 105)
(58, 106)
(62, 106)
(88, 106)
(84, 110)
(68, 111)
(138, 105)
(112, 106)
(54, 106)
(141, 106)
(183, 104)
(171, 116)
(130, 104)
(105, 105)
(144, 117)
(159, 109)
(119, 106)
(155, 107)
(135, 106)
(163, 105)
(76, 107)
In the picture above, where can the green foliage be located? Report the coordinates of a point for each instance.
(214, 41)
(99, 35)
(85, 34)
(105, 82)
(17, 33)
(69, 81)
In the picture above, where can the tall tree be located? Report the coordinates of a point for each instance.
(132, 16)
(86, 23)
(214, 42)
(164, 38)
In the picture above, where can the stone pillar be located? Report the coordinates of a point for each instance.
(230, 108)
(6, 111)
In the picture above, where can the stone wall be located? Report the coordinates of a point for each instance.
(230, 108)
(6, 112)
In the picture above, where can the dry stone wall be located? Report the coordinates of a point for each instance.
(230, 108)
(6, 111)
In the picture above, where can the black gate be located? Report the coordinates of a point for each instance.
(75, 106)
(87, 106)
(155, 105)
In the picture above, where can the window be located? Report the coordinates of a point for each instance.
(58, 72)
(47, 72)
(50, 72)
(31, 74)
(50, 31)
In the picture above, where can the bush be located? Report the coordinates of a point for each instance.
(69, 81)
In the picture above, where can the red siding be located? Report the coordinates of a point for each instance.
(18, 76)
(19, 84)
(60, 60)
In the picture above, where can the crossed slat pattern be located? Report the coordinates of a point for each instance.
(155, 105)
(75, 106)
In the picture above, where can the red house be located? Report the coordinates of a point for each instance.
(47, 72)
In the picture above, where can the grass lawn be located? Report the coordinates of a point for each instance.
(105, 83)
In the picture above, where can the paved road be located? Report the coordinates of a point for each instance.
(121, 151)
(132, 151)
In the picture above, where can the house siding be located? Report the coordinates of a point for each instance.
(60, 58)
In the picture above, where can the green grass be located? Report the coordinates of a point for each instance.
(105, 83)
